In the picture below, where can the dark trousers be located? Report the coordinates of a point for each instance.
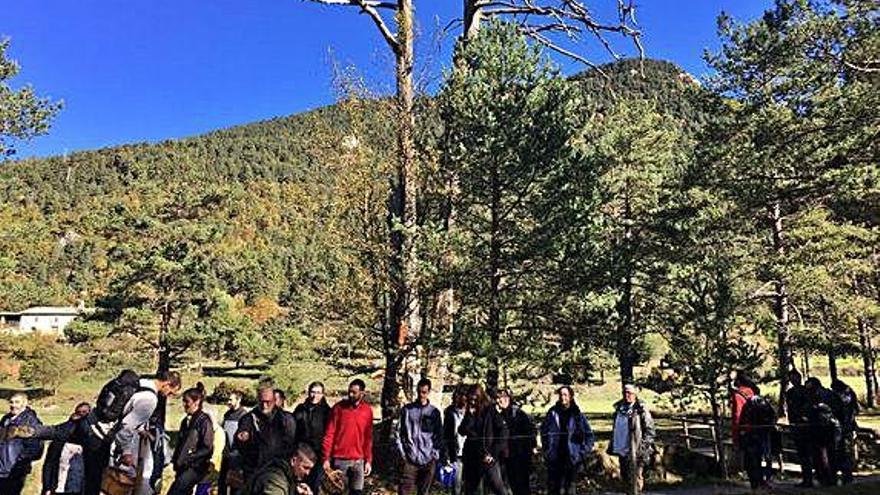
(845, 457)
(756, 448)
(227, 464)
(822, 462)
(415, 478)
(517, 471)
(13, 485)
(185, 481)
(561, 478)
(476, 473)
(94, 462)
(804, 452)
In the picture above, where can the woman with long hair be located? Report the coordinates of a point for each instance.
(195, 446)
(485, 444)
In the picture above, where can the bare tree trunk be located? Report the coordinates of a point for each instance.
(719, 430)
(405, 315)
(494, 317)
(832, 362)
(867, 351)
(625, 333)
(780, 308)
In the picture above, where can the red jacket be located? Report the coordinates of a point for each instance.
(738, 399)
(349, 432)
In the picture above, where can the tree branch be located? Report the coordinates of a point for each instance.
(370, 7)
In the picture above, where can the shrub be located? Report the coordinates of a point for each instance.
(48, 363)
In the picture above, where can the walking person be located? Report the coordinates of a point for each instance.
(845, 408)
(453, 440)
(757, 424)
(348, 441)
(419, 439)
(567, 440)
(231, 478)
(63, 469)
(17, 454)
(486, 438)
(195, 446)
(632, 438)
(264, 434)
(285, 476)
(517, 465)
(797, 403)
(311, 419)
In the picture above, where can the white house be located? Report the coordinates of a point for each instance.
(41, 319)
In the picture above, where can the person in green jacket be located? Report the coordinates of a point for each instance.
(285, 477)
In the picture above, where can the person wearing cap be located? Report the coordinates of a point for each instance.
(632, 438)
(517, 465)
(567, 440)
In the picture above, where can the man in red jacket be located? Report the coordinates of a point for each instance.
(348, 442)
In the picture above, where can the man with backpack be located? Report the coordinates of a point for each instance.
(845, 408)
(757, 423)
(797, 402)
(124, 406)
(825, 431)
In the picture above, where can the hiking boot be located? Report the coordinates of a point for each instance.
(21, 431)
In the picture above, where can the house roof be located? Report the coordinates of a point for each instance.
(51, 310)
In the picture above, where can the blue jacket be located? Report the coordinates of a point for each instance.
(17, 454)
(419, 435)
(580, 437)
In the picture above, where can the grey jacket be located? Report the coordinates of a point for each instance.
(419, 435)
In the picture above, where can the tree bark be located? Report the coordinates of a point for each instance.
(780, 307)
(832, 362)
(870, 374)
(405, 322)
(494, 317)
(625, 333)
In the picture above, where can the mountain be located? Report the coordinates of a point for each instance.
(69, 225)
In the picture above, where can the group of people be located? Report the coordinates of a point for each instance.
(93, 438)
(822, 422)
(480, 441)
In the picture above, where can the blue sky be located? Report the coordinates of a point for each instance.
(131, 71)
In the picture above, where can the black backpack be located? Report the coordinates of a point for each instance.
(115, 395)
(760, 413)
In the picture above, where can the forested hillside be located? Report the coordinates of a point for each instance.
(69, 222)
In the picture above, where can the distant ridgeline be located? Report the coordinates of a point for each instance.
(258, 196)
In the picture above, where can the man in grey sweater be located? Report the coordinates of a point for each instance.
(419, 438)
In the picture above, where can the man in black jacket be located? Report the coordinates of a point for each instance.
(231, 461)
(311, 423)
(517, 466)
(68, 456)
(264, 434)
